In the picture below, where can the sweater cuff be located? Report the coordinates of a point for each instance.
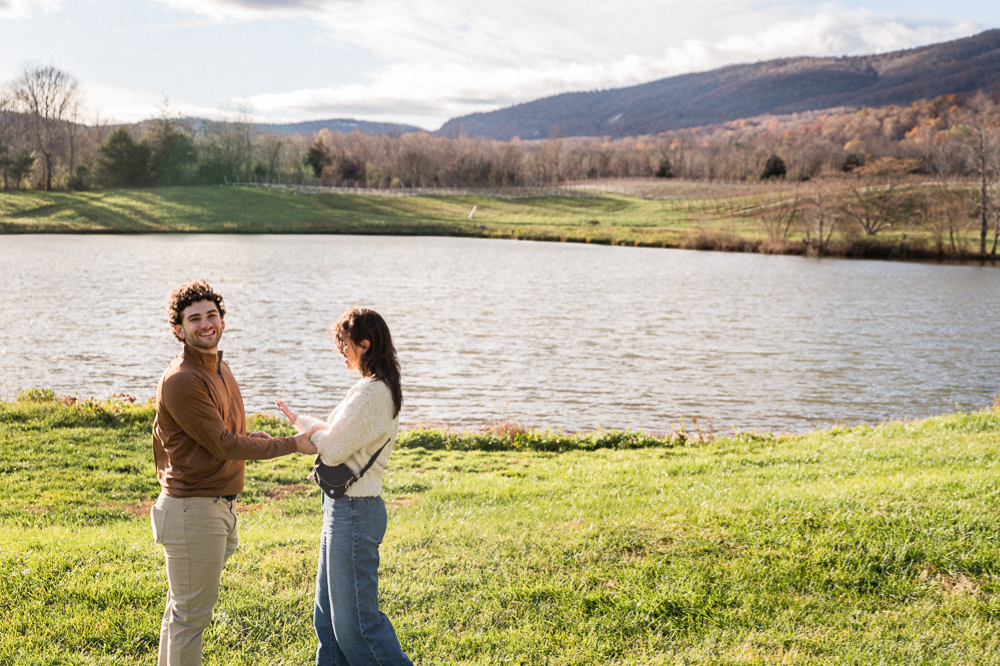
(304, 423)
(289, 443)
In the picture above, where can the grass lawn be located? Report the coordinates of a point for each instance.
(868, 545)
(260, 210)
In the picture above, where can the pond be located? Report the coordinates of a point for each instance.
(546, 334)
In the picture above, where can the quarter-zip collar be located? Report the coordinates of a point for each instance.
(212, 362)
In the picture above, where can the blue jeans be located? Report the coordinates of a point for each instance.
(350, 628)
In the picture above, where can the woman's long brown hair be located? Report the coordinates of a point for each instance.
(380, 362)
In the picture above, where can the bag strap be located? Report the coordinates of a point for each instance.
(372, 459)
(355, 477)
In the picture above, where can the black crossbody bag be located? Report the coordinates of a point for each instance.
(335, 480)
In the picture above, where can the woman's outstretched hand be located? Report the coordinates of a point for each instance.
(289, 414)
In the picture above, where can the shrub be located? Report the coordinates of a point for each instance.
(851, 162)
(774, 168)
(36, 395)
(665, 170)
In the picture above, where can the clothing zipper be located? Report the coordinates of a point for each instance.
(218, 369)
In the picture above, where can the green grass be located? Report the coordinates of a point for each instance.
(248, 210)
(696, 216)
(868, 545)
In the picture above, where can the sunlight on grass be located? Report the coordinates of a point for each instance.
(690, 215)
(861, 545)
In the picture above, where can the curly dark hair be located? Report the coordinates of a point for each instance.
(380, 362)
(185, 295)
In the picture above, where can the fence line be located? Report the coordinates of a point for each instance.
(673, 192)
(314, 186)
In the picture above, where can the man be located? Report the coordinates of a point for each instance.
(200, 443)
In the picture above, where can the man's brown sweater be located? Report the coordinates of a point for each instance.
(200, 433)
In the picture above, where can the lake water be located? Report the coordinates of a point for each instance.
(562, 335)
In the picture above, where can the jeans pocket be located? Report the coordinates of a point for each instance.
(375, 518)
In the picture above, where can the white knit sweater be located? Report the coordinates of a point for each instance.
(355, 430)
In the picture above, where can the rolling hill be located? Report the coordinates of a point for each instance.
(786, 85)
(338, 125)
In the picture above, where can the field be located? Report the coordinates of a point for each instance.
(260, 210)
(868, 545)
(734, 217)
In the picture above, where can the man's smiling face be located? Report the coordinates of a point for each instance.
(201, 326)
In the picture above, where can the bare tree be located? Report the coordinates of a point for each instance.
(873, 200)
(983, 144)
(819, 219)
(6, 134)
(780, 215)
(50, 99)
(947, 214)
(995, 214)
(946, 210)
(550, 159)
(227, 147)
(271, 147)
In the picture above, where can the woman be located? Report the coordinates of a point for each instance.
(348, 623)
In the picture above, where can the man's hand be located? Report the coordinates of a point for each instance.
(302, 443)
(289, 414)
(260, 434)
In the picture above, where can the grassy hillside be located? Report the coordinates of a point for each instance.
(854, 546)
(245, 210)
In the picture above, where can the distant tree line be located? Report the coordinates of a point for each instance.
(45, 144)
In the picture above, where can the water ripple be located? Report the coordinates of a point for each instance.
(557, 335)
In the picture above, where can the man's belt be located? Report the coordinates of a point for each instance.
(231, 498)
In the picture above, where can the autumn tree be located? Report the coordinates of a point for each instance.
(49, 98)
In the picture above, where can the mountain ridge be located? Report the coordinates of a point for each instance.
(778, 86)
(345, 125)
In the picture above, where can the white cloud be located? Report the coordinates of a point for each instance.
(20, 9)
(248, 10)
(113, 104)
(429, 89)
(508, 34)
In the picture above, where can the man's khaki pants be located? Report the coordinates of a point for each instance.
(198, 535)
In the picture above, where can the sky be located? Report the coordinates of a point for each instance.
(422, 62)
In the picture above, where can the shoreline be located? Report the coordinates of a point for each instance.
(614, 220)
(500, 435)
